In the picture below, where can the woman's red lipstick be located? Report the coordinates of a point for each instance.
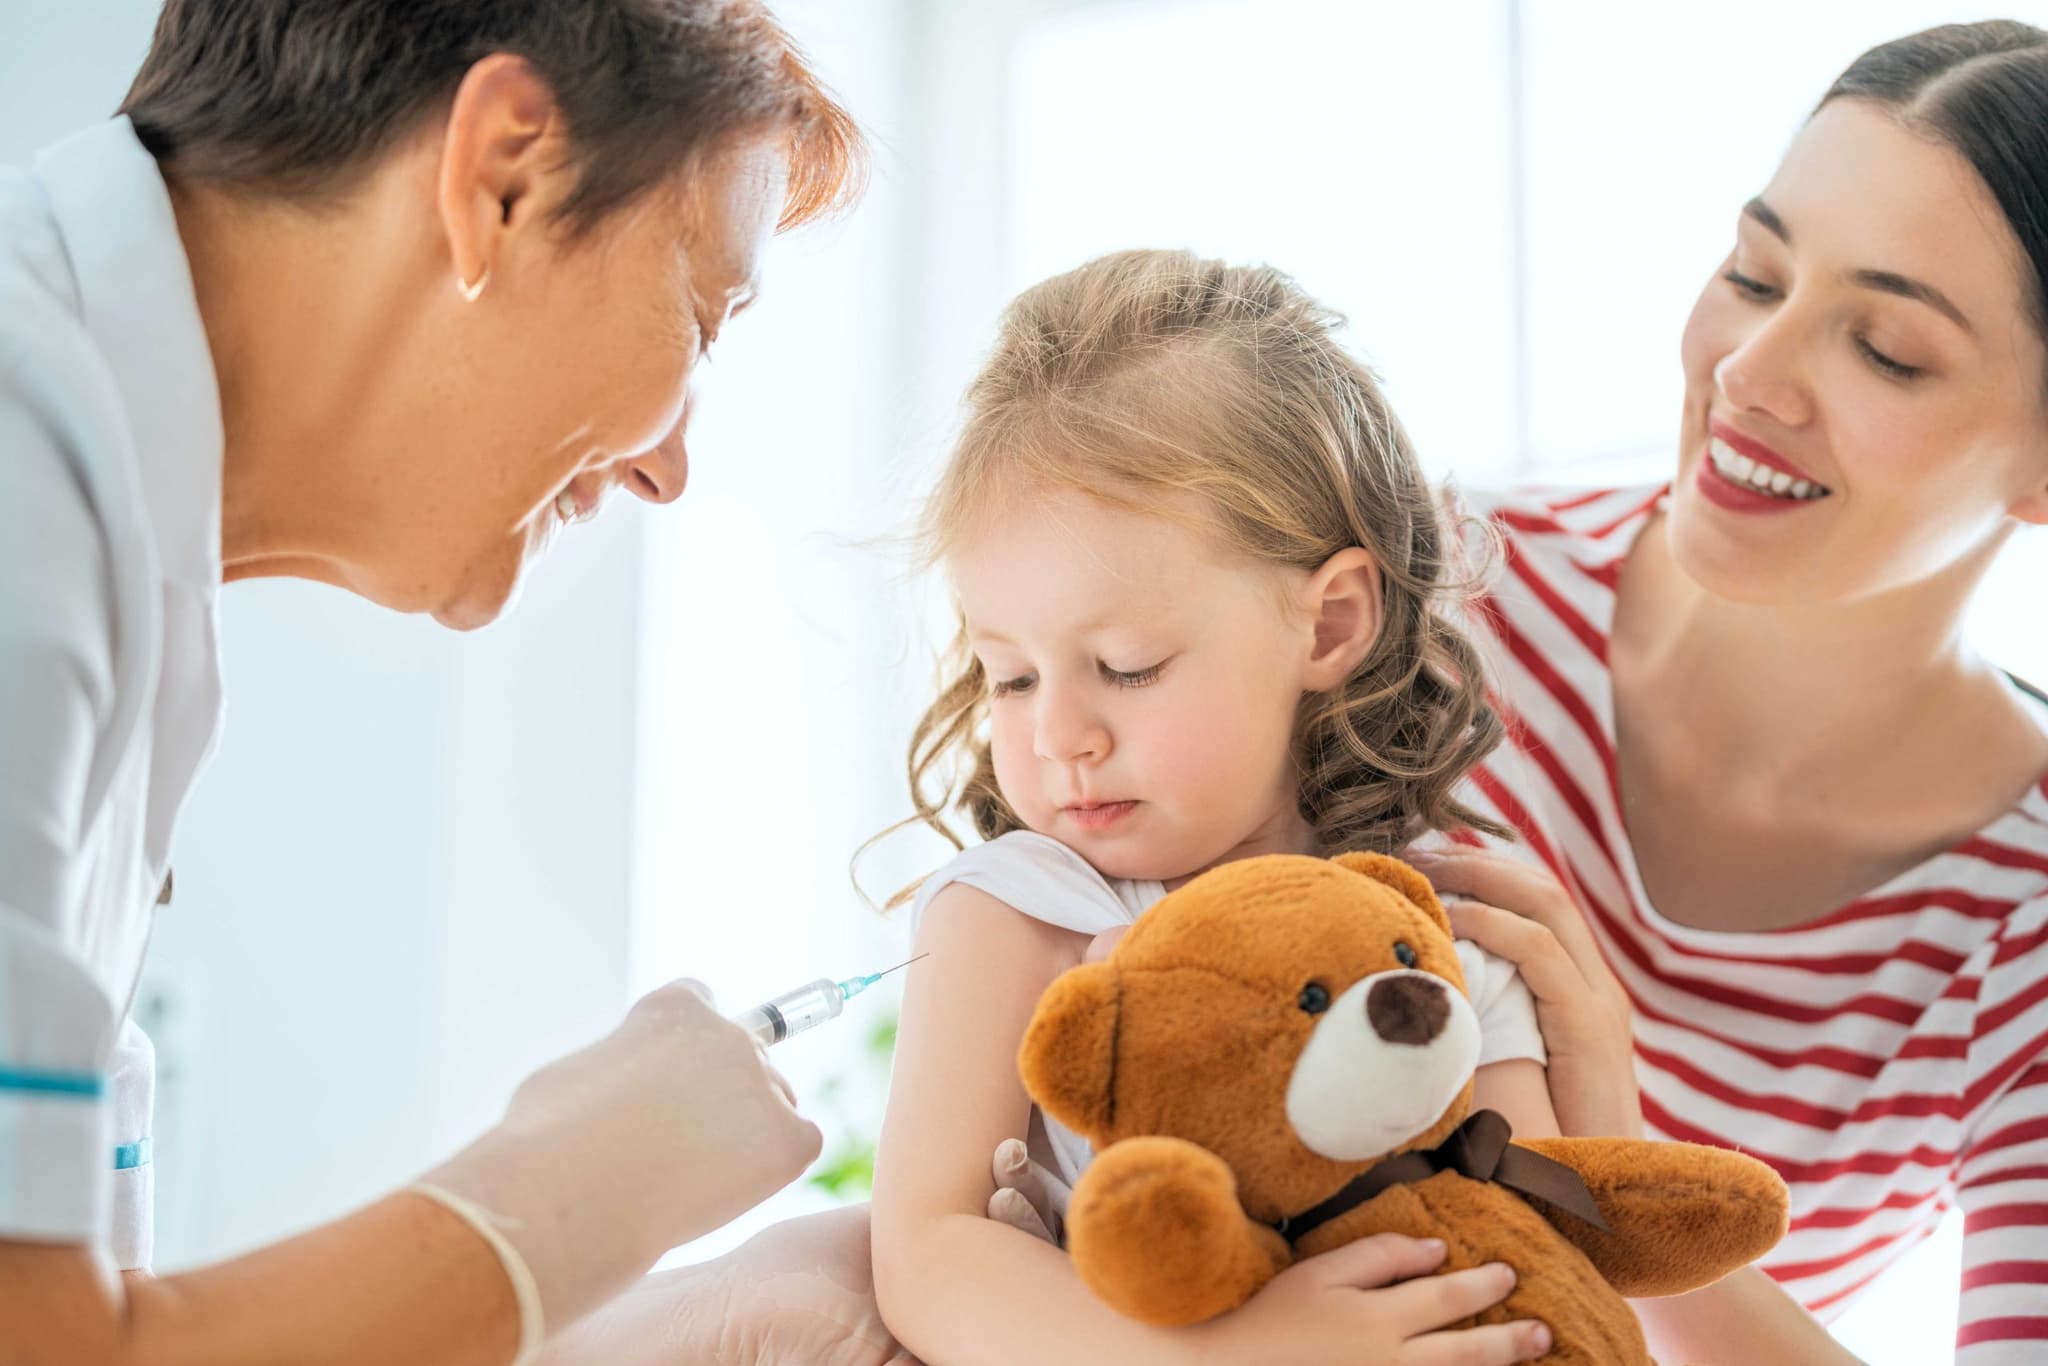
(1741, 474)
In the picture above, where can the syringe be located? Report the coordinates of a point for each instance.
(809, 1006)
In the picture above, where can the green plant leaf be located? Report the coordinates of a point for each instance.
(849, 1173)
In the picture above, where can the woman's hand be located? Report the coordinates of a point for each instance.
(666, 1128)
(1028, 1198)
(1527, 917)
(1374, 1301)
(800, 1293)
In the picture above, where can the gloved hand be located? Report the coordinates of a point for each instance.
(663, 1130)
(1028, 1197)
(800, 1293)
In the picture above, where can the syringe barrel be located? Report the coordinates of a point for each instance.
(793, 1012)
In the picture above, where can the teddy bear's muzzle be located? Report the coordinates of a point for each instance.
(1385, 1061)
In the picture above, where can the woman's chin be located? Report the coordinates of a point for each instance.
(1733, 568)
(465, 617)
(486, 592)
(473, 609)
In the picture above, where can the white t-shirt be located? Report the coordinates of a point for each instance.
(110, 470)
(1042, 878)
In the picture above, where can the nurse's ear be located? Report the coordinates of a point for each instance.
(504, 167)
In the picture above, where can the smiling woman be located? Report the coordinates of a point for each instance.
(1785, 817)
(518, 255)
(1852, 345)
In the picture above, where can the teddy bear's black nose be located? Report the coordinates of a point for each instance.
(1410, 1008)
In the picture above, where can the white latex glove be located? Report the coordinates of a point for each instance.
(1028, 1197)
(797, 1294)
(663, 1130)
(801, 1293)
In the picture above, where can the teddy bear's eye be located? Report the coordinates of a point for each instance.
(1314, 999)
(1404, 954)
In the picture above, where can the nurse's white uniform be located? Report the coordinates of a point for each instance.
(110, 483)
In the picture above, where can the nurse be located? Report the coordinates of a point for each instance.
(380, 294)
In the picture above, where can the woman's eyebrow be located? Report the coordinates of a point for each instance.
(1888, 282)
(1884, 281)
(1768, 216)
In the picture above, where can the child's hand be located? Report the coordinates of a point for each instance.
(1374, 1301)
(1526, 916)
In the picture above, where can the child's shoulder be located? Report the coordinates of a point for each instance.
(1039, 877)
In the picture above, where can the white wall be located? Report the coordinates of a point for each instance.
(402, 883)
(779, 669)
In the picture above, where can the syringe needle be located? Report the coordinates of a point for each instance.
(904, 964)
(854, 986)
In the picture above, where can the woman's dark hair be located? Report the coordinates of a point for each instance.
(1983, 90)
(296, 97)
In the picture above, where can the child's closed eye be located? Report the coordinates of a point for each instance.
(1134, 678)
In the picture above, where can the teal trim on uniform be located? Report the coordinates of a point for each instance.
(131, 1155)
(87, 1085)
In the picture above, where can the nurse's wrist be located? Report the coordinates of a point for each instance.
(486, 1274)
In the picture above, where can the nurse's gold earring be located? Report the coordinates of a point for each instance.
(472, 292)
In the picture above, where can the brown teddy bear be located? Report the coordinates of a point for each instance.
(1278, 1060)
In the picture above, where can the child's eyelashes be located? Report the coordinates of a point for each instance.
(1122, 678)
(1136, 679)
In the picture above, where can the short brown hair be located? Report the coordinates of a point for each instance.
(1146, 374)
(296, 97)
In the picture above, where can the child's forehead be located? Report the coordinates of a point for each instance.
(1062, 556)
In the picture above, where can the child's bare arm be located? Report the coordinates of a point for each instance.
(953, 1285)
(1520, 1089)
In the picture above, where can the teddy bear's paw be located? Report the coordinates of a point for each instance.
(1156, 1230)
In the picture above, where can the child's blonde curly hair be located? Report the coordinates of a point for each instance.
(1151, 372)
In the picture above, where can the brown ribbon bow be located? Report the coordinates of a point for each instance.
(1478, 1148)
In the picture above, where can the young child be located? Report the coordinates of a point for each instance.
(1201, 588)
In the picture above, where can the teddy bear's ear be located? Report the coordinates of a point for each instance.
(1402, 878)
(1068, 1059)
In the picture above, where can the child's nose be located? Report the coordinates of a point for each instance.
(1067, 733)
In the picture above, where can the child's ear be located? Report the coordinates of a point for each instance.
(1343, 600)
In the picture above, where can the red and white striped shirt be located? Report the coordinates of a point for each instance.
(1890, 1059)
